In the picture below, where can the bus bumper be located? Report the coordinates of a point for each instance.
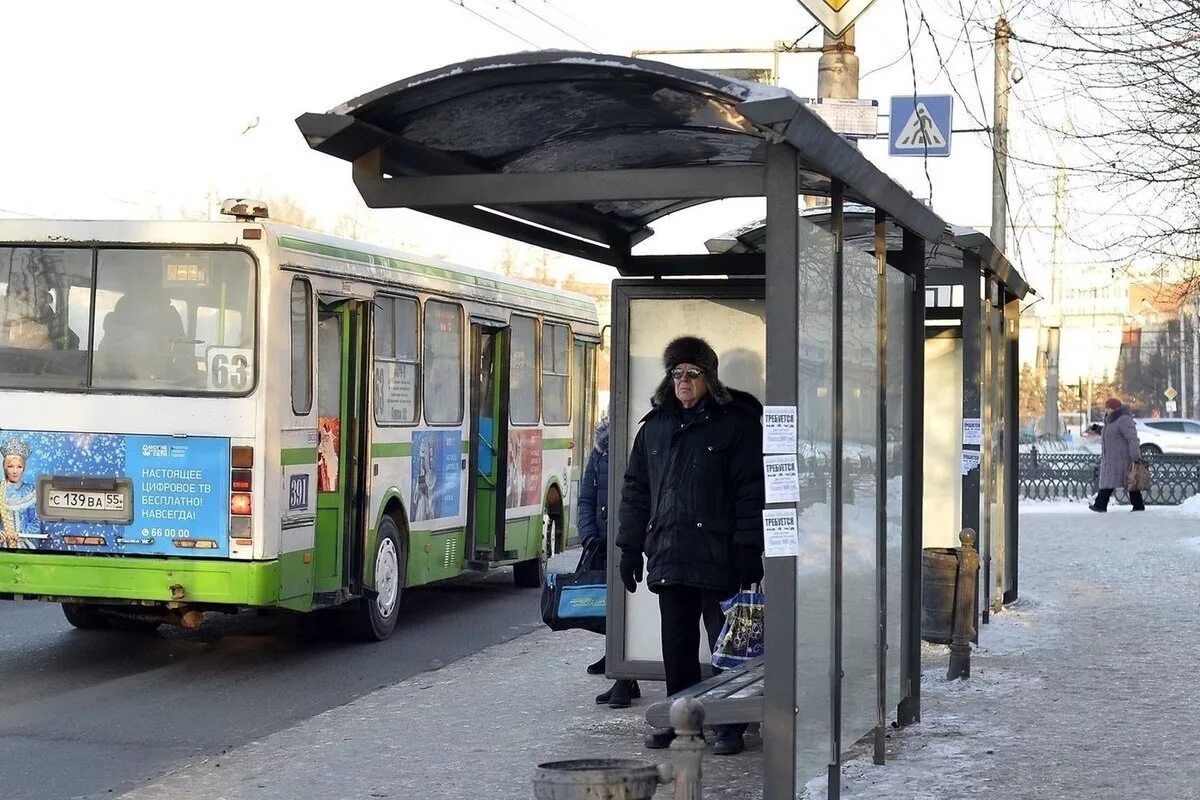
(238, 583)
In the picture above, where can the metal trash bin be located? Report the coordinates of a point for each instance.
(939, 580)
(598, 779)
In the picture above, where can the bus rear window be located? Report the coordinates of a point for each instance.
(45, 319)
(156, 320)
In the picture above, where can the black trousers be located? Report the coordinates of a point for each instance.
(682, 608)
(1102, 497)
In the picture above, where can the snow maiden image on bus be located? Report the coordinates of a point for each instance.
(212, 416)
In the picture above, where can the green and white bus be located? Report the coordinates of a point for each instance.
(209, 416)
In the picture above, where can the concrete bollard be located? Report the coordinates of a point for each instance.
(964, 612)
(687, 749)
(628, 778)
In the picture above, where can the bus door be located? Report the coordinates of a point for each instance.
(341, 441)
(489, 442)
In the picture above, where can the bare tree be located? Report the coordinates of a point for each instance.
(1127, 112)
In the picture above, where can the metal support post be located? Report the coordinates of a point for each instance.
(1012, 325)
(881, 493)
(836, 496)
(783, 345)
(913, 261)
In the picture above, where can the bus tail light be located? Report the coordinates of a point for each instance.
(241, 480)
(239, 504)
(242, 456)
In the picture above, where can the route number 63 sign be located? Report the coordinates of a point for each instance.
(230, 369)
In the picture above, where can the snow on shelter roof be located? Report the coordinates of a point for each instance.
(556, 113)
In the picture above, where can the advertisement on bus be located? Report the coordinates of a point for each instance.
(114, 493)
(524, 468)
(436, 474)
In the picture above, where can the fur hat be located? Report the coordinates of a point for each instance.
(690, 350)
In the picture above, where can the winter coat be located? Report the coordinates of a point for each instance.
(593, 492)
(693, 491)
(1119, 447)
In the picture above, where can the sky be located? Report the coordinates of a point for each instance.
(130, 109)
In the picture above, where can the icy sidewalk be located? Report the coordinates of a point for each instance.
(1085, 689)
(474, 729)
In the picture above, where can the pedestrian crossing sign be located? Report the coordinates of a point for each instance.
(920, 125)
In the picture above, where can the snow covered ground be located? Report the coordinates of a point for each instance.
(1082, 689)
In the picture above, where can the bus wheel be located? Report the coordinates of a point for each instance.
(84, 617)
(375, 616)
(530, 574)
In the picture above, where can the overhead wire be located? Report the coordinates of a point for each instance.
(912, 63)
(563, 31)
(461, 4)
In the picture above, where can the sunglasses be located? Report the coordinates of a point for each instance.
(692, 374)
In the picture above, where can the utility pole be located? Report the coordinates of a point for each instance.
(1000, 136)
(837, 71)
(837, 77)
(1060, 202)
(1195, 356)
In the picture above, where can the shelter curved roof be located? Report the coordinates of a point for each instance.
(564, 112)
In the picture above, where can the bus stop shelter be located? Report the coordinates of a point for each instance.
(972, 305)
(580, 153)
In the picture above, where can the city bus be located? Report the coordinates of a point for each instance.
(219, 415)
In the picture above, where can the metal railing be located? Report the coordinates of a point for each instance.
(1073, 476)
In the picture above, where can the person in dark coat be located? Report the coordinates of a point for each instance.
(691, 502)
(593, 535)
(1119, 448)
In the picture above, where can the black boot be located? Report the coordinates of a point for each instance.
(607, 695)
(659, 739)
(730, 740)
(596, 668)
(622, 693)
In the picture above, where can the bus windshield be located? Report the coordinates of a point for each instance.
(115, 319)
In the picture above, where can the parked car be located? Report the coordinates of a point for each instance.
(1172, 435)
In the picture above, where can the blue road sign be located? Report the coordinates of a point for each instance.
(920, 126)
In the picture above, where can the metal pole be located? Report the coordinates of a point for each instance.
(1181, 408)
(913, 259)
(836, 498)
(881, 471)
(1012, 319)
(1195, 356)
(783, 345)
(972, 357)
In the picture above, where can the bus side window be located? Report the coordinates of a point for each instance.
(443, 363)
(523, 375)
(555, 375)
(302, 391)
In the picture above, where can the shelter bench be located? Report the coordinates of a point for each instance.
(735, 695)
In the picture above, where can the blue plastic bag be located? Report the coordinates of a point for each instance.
(741, 638)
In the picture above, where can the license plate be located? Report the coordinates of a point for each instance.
(58, 500)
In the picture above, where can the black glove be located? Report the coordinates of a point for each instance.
(748, 566)
(630, 569)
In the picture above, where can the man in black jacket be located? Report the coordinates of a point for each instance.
(692, 501)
